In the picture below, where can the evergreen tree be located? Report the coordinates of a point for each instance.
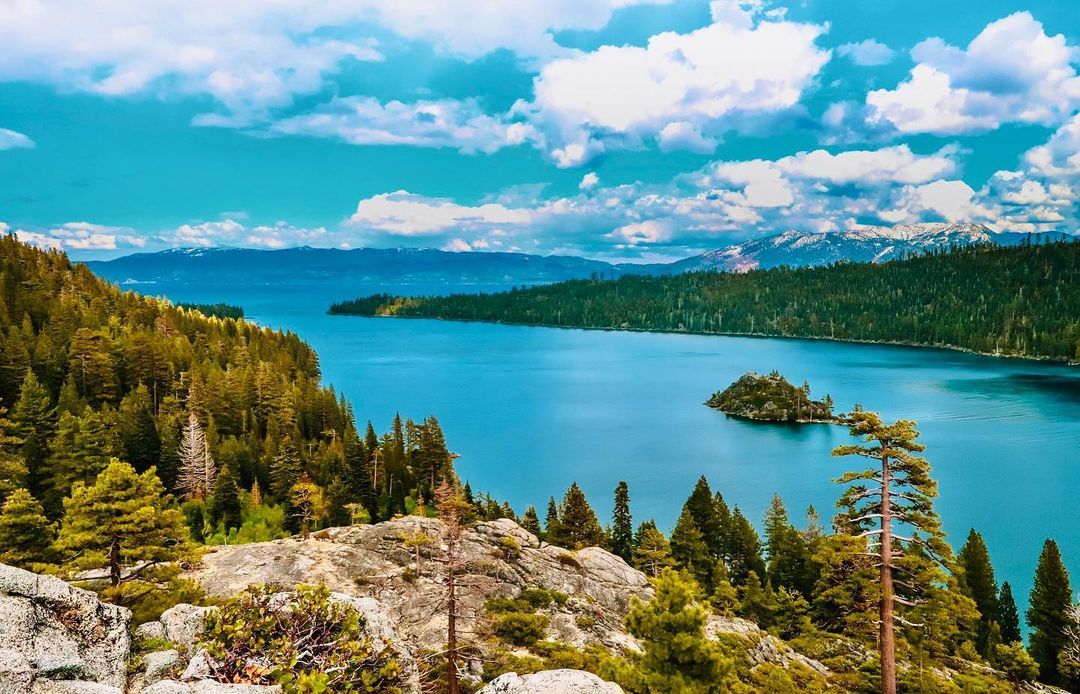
(138, 431)
(358, 474)
(35, 424)
(897, 487)
(337, 503)
(702, 507)
(757, 602)
(1008, 617)
(12, 464)
(745, 550)
(578, 526)
(676, 655)
(689, 550)
(225, 504)
(82, 448)
(980, 586)
(26, 535)
(652, 553)
(1050, 598)
(285, 468)
(622, 526)
(531, 522)
(307, 502)
(786, 548)
(125, 525)
(552, 527)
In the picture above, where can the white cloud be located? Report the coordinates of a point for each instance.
(442, 123)
(679, 88)
(1012, 72)
(650, 231)
(889, 164)
(81, 236)
(10, 139)
(589, 180)
(867, 53)
(229, 232)
(955, 201)
(252, 56)
(405, 214)
(1060, 156)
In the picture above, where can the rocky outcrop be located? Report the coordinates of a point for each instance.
(549, 682)
(762, 647)
(499, 557)
(56, 639)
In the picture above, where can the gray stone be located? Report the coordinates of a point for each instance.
(183, 624)
(159, 664)
(199, 668)
(551, 682)
(150, 630)
(72, 687)
(63, 631)
(16, 673)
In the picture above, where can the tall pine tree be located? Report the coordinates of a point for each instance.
(1008, 617)
(622, 525)
(578, 526)
(978, 573)
(1050, 598)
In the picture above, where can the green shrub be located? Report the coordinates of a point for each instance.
(308, 644)
(538, 597)
(585, 621)
(520, 629)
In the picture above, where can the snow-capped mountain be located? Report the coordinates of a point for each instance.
(865, 244)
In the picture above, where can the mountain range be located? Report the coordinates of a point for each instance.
(406, 265)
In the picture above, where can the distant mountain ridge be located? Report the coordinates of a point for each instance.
(405, 265)
(870, 244)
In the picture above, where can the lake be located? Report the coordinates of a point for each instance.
(532, 409)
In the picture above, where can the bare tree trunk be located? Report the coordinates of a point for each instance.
(451, 621)
(887, 638)
(114, 562)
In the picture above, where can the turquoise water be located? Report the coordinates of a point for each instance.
(532, 409)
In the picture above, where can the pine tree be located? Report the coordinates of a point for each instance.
(124, 523)
(786, 548)
(82, 448)
(12, 464)
(703, 508)
(578, 526)
(531, 522)
(255, 497)
(676, 655)
(197, 469)
(358, 474)
(1050, 598)
(652, 553)
(622, 526)
(138, 431)
(551, 521)
(689, 550)
(744, 550)
(757, 602)
(285, 468)
(1008, 617)
(225, 504)
(898, 488)
(26, 535)
(980, 585)
(35, 424)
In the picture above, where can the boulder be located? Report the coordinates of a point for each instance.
(72, 687)
(64, 633)
(183, 624)
(500, 559)
(157, 665)
(16, 673)
(550, 682)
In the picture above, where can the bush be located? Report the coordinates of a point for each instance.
(520, 629)
(538, 597)
(306, 643)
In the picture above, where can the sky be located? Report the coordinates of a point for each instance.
(635, 130)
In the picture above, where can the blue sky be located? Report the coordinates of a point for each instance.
(619, 129)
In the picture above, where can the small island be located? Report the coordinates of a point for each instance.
(773, 398)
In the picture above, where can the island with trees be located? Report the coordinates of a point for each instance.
(772, 398)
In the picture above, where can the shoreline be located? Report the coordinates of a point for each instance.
(1063, 361)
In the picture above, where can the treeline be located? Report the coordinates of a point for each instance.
(818, 590)
(218, 310)
(1016, 301)
(215, 419)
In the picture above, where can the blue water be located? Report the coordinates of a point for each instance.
(532, 409)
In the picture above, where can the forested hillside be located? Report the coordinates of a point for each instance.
(112, 404)
(1020, 301)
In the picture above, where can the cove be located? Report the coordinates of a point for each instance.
(532, 409)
